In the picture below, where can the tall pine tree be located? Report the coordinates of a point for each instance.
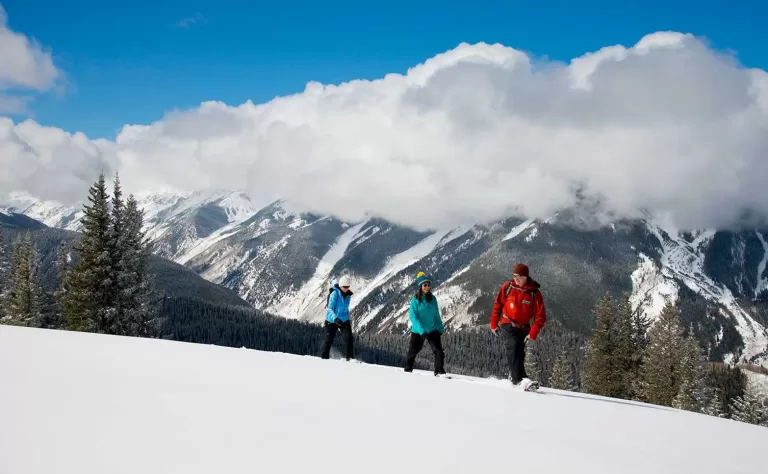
(599, 375)
(137, 294)
(88, 303)
(62, 268)
(626, 354)
(117, 255)
(696, 391)
(661, 375)
(23, 303)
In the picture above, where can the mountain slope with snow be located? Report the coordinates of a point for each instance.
(88, 403)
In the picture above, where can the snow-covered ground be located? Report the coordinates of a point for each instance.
(86, 403)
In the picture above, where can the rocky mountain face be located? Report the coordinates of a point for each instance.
(283, 261)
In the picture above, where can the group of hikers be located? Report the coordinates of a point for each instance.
(517, 316)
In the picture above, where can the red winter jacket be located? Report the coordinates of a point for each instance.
(522, 305)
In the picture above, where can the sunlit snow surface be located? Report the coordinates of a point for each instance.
(87, 404)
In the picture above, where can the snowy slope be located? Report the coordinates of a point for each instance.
(87, 403)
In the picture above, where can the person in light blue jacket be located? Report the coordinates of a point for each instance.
(337, 317)
(426, 324)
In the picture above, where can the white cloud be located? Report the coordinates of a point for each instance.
(23, 65)
(190, 21)
(49, 163)
(667, 125)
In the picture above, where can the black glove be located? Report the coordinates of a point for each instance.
(338, 322)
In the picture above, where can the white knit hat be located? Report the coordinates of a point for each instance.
(344, 281)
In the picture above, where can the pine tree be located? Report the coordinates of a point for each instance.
(714, 406)
(562, 378)
(117, 256)
(660, 375)
(626, 354)
(136, 283)
(750, 406)
(598, 375)
(62, 268)
(87, 304)
(24, 300)
(684, 400)
(533, 366)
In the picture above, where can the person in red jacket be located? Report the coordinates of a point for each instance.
(518, 302)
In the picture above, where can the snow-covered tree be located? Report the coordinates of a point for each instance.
(118, 255)
(750, 407)
(23, 302)
(109, 289)
(660, 375)
(599, 374)
(62, 267)
(714, 406)
(562, 374)
(90, 281)
(137, 294)
(694, 392)
(533, 365)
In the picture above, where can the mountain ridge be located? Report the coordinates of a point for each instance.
(283, 261)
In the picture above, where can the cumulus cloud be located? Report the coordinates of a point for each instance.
(23, 66)
(480, 132)
(48, 163)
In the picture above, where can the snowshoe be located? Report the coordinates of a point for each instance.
(528, 385)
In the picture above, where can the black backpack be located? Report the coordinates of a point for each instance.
(328, 298)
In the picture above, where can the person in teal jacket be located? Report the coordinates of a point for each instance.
(426, 325)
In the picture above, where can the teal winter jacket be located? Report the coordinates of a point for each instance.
(425, 316)
(338, 305)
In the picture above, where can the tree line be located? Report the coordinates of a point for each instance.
(103, 282)
(626, 357)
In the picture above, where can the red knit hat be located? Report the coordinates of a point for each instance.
(520, 269)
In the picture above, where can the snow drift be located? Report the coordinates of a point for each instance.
(86, 403)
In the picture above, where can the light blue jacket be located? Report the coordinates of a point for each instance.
(338, 305)
(425, 316)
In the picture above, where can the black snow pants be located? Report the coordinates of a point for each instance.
(417, 343)
(330, 335)
(514, 345)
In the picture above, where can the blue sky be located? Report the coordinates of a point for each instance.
(130, 62)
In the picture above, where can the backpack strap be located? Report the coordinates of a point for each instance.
(506, 294)
(328, 298)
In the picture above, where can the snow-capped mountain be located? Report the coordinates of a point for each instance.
(284, 261)
(49, 213)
